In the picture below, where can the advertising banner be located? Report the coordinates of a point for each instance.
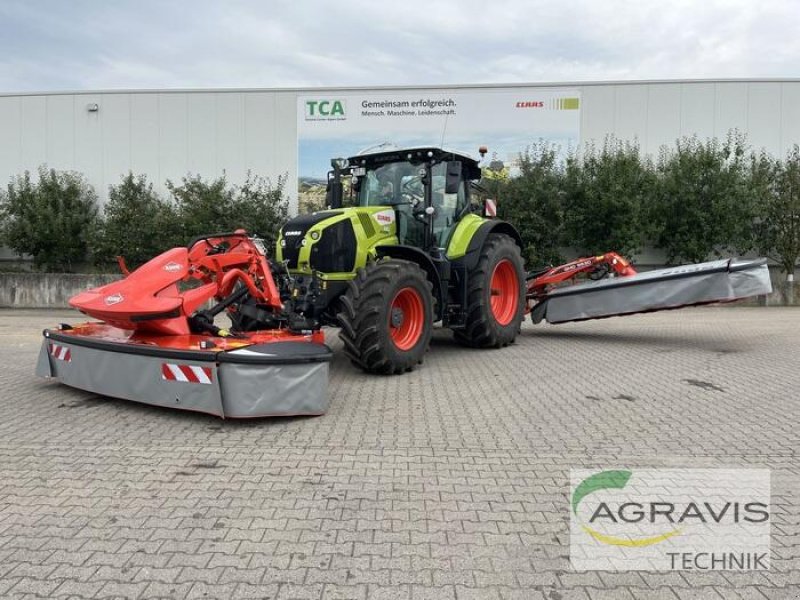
(507, 121)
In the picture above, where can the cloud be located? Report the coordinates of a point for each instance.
(84, 44)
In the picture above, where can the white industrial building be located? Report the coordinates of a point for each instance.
(166, 134)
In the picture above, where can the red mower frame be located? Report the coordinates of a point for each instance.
(540, 283)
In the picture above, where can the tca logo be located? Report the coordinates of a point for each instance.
(325, 109)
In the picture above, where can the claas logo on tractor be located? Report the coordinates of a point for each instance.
(325, 109)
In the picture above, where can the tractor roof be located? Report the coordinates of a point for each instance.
(418, 153)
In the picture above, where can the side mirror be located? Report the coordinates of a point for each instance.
(453, 178)
(333, 194)
(334, 191)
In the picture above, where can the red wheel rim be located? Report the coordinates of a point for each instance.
(406, 318)
(504, 292)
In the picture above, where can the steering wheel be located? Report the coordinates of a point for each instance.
(407, 192)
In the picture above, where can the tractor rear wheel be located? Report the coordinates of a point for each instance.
(387, 316)
(495, 295)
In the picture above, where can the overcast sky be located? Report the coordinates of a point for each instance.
(106, 44)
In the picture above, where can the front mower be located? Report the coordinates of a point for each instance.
(157, 342)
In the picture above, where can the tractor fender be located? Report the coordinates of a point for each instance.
(470, 258)
(415, 255)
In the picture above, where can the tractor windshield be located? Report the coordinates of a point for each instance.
(391, 184)
(400, 184)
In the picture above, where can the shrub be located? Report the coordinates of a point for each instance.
(604, 192)
(702, 203)
(262, 207)
(136, 224)
(214, 207)
(776, 185)
(532, 202)
(49, 219)
(203, 207)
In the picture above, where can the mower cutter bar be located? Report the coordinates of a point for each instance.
(272, 374)
(663, 289)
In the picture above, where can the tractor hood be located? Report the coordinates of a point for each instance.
(335, 241)
(296, 228)
(293, 235)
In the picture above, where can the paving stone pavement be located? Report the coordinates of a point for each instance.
(447, 482)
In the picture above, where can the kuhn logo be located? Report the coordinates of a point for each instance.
(530, 104)
(292, 233)
(172, 267)
(114, 299)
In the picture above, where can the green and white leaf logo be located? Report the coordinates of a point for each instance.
(612, 480)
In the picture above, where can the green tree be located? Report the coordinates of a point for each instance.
(136, 224)
(49, 218)
(215, 206)
(262, 206)
(702, 204)
(203, 207)
(776, 184)
(605, 191)
(532, 202)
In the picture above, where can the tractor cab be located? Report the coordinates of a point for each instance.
(428, 188)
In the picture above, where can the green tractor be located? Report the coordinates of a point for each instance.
(404, 244)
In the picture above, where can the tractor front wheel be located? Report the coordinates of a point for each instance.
(387, 317)
(495, 295)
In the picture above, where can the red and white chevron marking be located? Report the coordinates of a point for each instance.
(61, 352)
(186, 373)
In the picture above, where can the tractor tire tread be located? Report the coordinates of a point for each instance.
(364, 307)
(481, 331)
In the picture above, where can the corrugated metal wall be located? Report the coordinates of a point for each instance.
(169, 134)
(162, 134)
(659, 113)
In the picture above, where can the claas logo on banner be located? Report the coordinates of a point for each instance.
(325, 109)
